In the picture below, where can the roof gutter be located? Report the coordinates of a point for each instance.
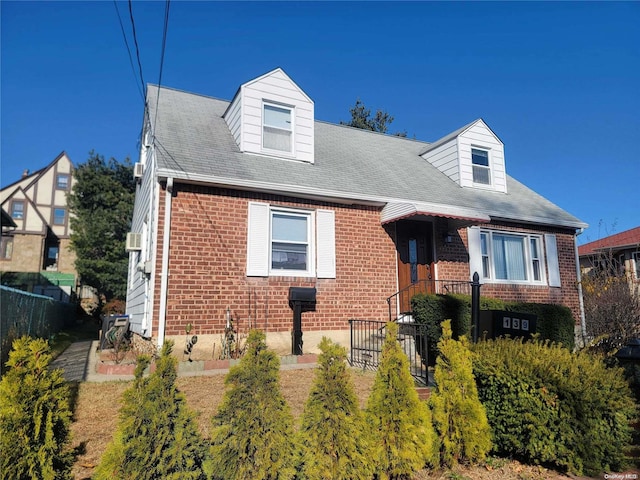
(164, 274)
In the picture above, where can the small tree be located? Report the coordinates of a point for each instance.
(404, 437)
(252, 434)
(157, 436)
(611, 306)
(34, 415)
(459, 417)
(333, 435)
(361, 118)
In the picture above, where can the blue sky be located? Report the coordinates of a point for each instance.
(559, 83)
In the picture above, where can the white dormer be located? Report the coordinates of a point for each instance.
(271, 115)
(472, 156)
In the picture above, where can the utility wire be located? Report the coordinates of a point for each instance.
(135, 41)
(164, 44)
(124, 36)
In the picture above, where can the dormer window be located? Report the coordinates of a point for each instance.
(481, 169)
(277, 128)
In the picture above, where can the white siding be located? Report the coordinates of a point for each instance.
(139, 285)
(480, 136)
(445, 159)
(233, 117)
(274, 87)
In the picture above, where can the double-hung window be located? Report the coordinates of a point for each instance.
(509, 257)
(481, 168)
(62, 181)
(282, 241)
(636, 260)
(277, 128)
(17, 209)
(290, 234)
(59, 216)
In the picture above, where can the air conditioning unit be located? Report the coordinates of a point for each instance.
(134, 242)
(138, 170)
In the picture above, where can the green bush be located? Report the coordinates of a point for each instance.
(404, 438)
(459, 417)
(333, 436)
(555, 322)
(157, 436)
(34, 415)
(431, 310)
(548, 405)
(252, 433)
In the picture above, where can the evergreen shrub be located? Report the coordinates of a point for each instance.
(555, 322)
(252, 432)
(334, 441)
(458, 415)
(35, 415)
(157, 435)
(548, 405)
(404, 438)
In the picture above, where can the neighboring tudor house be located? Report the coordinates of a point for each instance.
(34, 253)
(239, 201)
(620, 253)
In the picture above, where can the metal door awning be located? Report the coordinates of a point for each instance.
(392, 212)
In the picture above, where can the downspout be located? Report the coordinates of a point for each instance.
(583, 322)
(164, 274)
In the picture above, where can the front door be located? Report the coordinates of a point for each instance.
(415, 261)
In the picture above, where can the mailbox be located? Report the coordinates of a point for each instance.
(301, 299)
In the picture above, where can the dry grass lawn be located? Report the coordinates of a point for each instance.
(97, 405)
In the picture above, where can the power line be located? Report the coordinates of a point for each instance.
(135, 41)
(164, 44)
(124, 36)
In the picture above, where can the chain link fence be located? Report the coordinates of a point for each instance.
(23, 313)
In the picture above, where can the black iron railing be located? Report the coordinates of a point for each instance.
(400, 302)
(367, 338)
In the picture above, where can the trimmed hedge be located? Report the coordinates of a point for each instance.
(548, 405)
(555, 322)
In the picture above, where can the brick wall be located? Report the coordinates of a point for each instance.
(453, 264)
(208, 264)
(26, 255)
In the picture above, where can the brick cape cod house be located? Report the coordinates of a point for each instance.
(239, 201)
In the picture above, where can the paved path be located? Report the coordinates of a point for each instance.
(78, 363)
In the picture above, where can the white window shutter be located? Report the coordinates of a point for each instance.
(326, 244)
(553, 265)
(258, 240)
(475, 251)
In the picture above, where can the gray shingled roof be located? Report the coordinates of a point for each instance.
(194, 142)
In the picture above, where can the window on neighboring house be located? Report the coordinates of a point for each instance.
(290, 242)
(62, 181)
(636, 260)
(277, 128)
(481, 169)
(511, 257)
(6, 248)
(17, 209)
(621, 264)
(51, 257)
(59, 216)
